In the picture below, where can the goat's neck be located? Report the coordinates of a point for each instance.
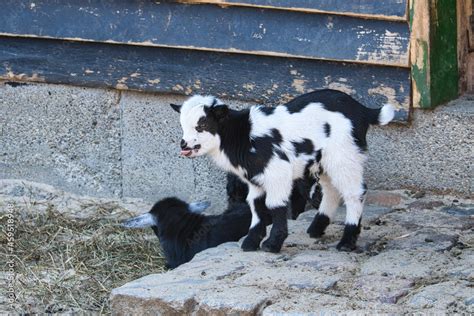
(235, 143)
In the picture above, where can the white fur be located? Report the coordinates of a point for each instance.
(254, 193)
(386, 114)
(191, 111)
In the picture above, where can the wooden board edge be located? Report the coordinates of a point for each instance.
(125, 68)
(464, 10)
(419, 52)
(231, 51)
(393, 18)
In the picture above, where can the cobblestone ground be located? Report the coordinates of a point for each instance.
(415, 255)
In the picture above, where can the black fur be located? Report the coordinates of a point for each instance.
(182, 233)
(300, 196)
(327, 129)
(252, 155)
(304, 147)
(279, 231)
(318, 156)
(349, 238)
(267, 110)
(204, 124)
(176, 107)
(281, 154)
(318, 226)
(258, 232)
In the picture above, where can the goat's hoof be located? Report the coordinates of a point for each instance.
(271, 246)
(315, 233)
(318, 226)
(249, 245)
(346, 245)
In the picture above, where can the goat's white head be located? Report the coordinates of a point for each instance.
(200, 117)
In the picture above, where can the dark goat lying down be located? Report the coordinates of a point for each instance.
(183, 231)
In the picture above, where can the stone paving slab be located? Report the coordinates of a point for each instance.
(410, 259)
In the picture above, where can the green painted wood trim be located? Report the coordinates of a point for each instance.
(443, 46)
(434, 68)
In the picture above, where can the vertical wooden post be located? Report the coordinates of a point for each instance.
(433, 52)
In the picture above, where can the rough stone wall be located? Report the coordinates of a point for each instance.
(108, 143)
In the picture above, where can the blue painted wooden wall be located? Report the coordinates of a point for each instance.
(261, 50)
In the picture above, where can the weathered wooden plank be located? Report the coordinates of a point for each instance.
(376, 9)
(209, 27)
(464, 13)
(263, 79)
(444, 53)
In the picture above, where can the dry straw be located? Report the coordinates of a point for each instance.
(67, 264)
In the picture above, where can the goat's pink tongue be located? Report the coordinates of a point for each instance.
(186, 152)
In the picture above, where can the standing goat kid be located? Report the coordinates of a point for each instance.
(323, 133)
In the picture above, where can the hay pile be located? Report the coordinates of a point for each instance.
(67, 264)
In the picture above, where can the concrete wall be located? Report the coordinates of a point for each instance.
(125, 144)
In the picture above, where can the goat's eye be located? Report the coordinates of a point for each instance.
(200, 128)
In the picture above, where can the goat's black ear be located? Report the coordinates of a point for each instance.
(176, 107)
(220, 111)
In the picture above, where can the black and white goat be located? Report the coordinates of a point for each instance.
(269, 147)
(183, 231)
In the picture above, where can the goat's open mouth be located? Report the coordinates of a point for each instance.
(187, 152)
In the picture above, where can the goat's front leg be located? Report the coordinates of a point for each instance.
(257, 230)
(278, 187)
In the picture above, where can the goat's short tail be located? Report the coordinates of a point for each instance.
(381, 116)
(387, 113)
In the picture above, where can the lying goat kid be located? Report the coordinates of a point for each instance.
(270, 147)
(183, 231)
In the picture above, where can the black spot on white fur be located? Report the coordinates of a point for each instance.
(303, 147)
(336, 101)
(327, 129)
(206, 124)
(267, 110)
(281, 154)
(318, 156)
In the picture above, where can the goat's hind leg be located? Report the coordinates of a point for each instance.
(354, 204)
(353, 190)
(327, 208)
(344, 165)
